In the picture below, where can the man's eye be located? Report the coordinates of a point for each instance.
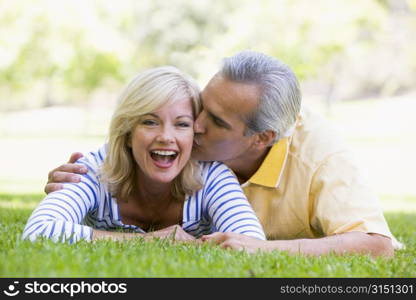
(218, 122)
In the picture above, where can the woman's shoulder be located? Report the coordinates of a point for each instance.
(213, 169)
(94, 159)
(212, 164)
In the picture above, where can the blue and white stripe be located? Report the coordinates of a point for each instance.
(71, 213)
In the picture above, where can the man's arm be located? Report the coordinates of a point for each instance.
(344, 243)
(65, 173)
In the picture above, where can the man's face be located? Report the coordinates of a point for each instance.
(220, 127)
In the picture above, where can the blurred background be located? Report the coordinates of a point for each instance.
(62, 64)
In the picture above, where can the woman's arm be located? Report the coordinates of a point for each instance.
(227, 206)
(60, 214)
(174, 233)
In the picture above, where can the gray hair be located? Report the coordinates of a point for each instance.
(280, 97)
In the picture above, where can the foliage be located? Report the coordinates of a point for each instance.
(163, 259)
(64, 51)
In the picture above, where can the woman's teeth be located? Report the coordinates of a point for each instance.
(161, 155)
(161, 152)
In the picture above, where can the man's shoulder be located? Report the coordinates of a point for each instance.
(315, 138)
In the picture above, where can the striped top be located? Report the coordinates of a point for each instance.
(70, 214)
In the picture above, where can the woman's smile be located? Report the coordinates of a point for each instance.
(164, 158)
(162, 141)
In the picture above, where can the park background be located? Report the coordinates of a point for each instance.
(62, 64)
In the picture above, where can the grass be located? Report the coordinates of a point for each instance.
(164, 259)
(35, 142)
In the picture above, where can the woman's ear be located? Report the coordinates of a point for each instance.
(128, 140)
(265, 138)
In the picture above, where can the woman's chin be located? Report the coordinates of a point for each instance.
(164, 178)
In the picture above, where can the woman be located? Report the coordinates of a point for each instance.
(143, 180)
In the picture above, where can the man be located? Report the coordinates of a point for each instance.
(299, 178)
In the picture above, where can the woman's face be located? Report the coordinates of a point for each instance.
(162, 141)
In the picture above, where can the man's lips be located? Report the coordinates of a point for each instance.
(196, 143)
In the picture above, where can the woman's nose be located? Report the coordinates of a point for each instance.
(166, 135)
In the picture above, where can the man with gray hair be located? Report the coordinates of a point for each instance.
(299, 177)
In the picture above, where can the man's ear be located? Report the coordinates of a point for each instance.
(265, 138)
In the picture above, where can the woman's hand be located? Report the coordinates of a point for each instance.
(235, 241)
(173, 232)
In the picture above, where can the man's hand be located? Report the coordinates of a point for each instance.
(65, 173)
(344, 243)
(174, 233)
(235, 241)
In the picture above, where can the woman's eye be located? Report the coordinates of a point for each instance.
(184, 124)
(149, 122)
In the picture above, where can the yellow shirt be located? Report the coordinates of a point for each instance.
(309, 186)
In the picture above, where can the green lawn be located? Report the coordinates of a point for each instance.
(163, 259)
(381, 133)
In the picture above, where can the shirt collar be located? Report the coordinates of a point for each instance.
(270, 172)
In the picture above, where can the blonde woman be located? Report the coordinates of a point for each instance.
(143, 181)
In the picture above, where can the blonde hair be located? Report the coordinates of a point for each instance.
(145, 93)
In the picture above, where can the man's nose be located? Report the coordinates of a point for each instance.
(199, 124)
